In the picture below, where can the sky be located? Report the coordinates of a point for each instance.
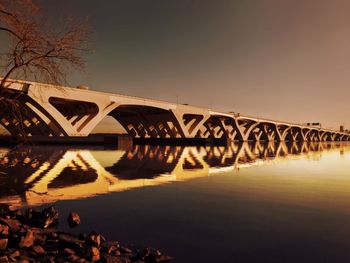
(281, 59)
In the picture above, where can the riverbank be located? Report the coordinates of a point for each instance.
(32, 236)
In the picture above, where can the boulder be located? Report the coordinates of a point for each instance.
(3, 243)
(39, 250)
(4, 230)
(93, 254)
(115, 259)
(73, 219)
(13, 224)
(4, 259)
(94, 239)
(27, 240)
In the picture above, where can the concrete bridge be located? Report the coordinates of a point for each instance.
(55, 111)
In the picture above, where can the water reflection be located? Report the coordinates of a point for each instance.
(39, 175)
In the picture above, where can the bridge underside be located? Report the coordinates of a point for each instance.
(70, 112)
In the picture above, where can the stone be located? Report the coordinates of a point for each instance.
(49, 217)
(27, 240)
(115, 259)
(94, 239)
(4, 230)
(3, 243)
(69, 251)
(93, 253)
(15, 254)
(13, 224)
(162, 258)
(112, 250)
(70, 241)
(53, 235)
(110, 247)
(39, 250)
(125, 250)
(30, 238)
(155, 252)
(73, 219)
(74, 258)
(144, 253)
(4, 259)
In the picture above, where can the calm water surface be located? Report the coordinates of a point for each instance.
(241, 203)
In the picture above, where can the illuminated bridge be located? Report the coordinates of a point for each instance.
(55, 111)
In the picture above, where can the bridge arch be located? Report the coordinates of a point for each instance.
(147, 122)
(22, 116)
(220, 126)
(312, 135)
(294, 134)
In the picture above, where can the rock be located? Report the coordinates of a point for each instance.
(39, 250)
(70, 241)
(49, 217)
(110, 248)
(69, 251)
(125, 250)
(94, 239)
(27, 240)
(13, 224)
(53, 235)
(93, 253)
(162, 258)
(115, 259)
(4, 230)
(74, 258)
(155, 252)
(15, 254)
(4, 259)
(48, 259)
(29, 237)
(73, 220)
(144, 253)
(3, 243)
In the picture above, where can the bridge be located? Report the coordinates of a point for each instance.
(55, 111)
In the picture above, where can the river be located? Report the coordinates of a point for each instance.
(237, 203)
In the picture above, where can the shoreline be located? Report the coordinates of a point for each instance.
(32, 236)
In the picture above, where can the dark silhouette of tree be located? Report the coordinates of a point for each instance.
(32, 49)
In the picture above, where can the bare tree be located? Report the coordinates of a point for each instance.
(35, 50)
(32, 49)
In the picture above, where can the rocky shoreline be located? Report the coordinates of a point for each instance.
(32, 236)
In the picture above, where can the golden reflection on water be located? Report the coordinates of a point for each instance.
(40, 175)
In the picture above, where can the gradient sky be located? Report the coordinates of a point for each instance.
(281, 59)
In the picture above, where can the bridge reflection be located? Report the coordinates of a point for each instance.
(39, 175)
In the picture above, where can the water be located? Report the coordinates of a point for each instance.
(241, 203)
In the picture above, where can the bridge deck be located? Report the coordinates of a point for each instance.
(49, 110)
